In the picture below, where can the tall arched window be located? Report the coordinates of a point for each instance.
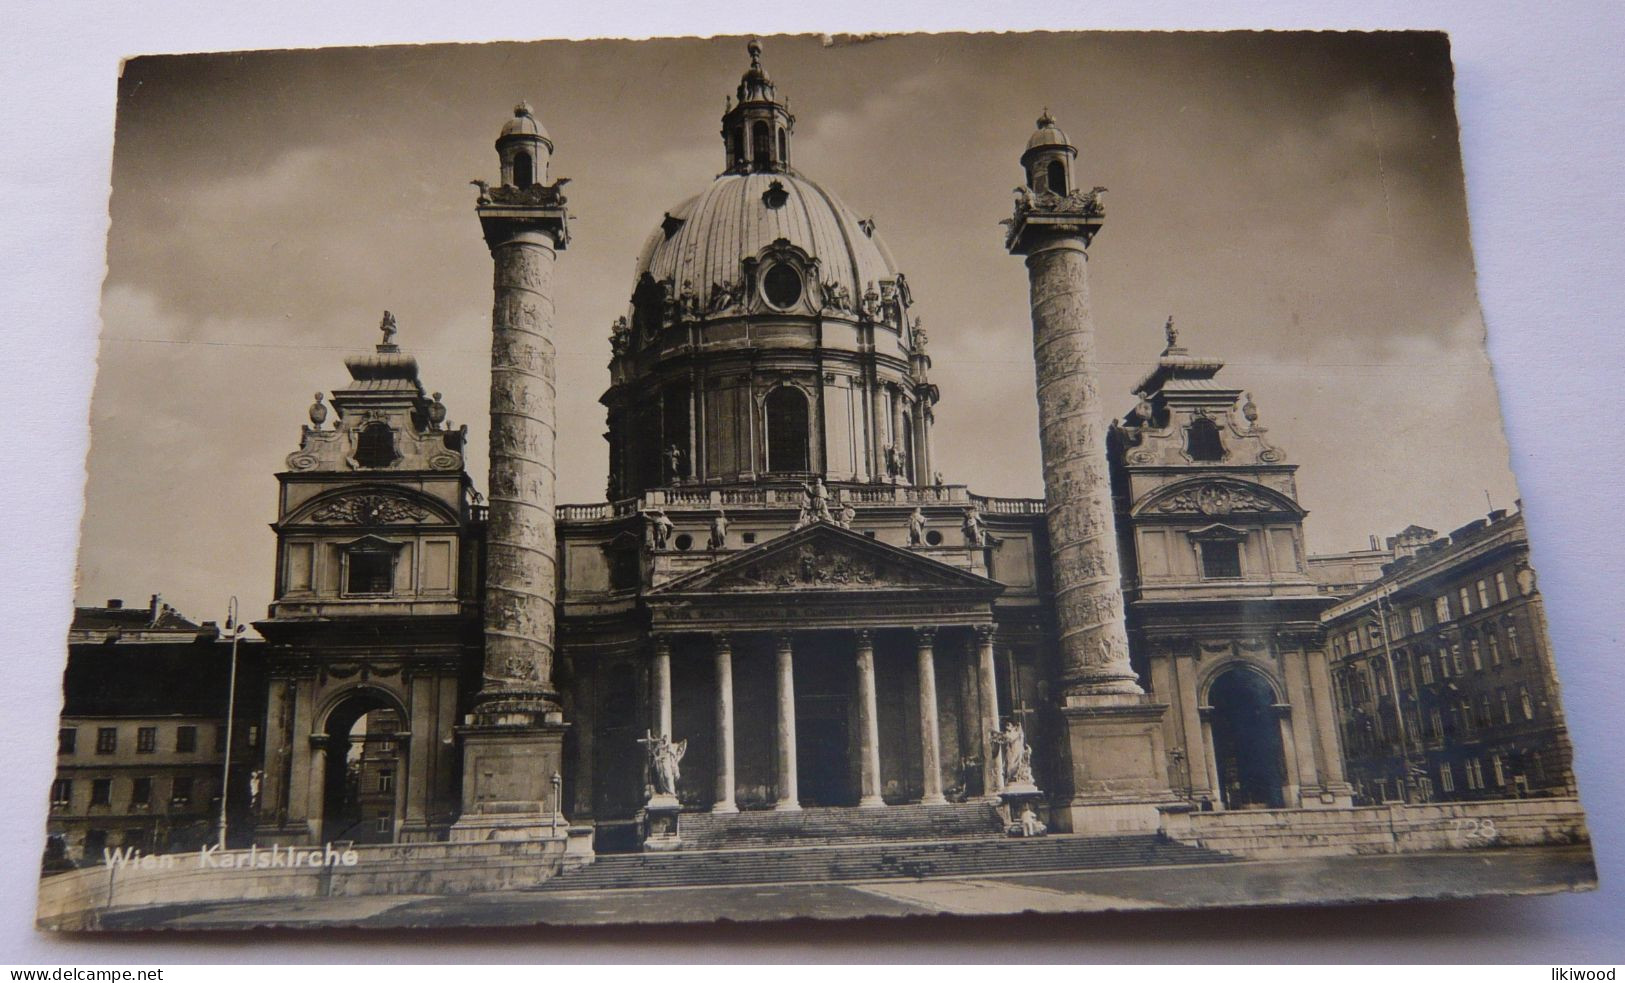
(523, 176)
(1057, 177)
(787, 429)
(375, 446)
(1202, 441)
(761, 145)
(784, 148)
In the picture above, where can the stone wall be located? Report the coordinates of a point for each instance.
(1394, 828)
(73, 900)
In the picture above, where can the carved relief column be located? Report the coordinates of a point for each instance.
(925, 651)
(789, 794)
(660, 685)
(899, 422)
(513, 740)
(988, 683)
(725, 725)
(1114, 741)
(868, 723)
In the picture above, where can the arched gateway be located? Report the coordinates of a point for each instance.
(1247, 746)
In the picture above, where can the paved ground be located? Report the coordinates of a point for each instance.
(1324, 880)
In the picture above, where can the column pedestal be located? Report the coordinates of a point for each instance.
(1118, 777)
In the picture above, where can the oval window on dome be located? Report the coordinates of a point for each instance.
(782, 286)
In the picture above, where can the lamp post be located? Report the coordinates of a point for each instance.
(236, 628)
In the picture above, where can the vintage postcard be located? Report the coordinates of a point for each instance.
(750, 478)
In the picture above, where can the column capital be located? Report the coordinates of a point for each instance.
(722, 641)
(661, 640)
(985, 633)
(925, 636)
(864, 636)
(783, 641)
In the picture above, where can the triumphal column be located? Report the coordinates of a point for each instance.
(513, 739)
(1114, 738)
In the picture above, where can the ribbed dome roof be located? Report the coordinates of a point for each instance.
(1048, 134)
(703, 240)
(523, 123)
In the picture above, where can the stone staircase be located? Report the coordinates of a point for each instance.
(766, 828)
(846, 861)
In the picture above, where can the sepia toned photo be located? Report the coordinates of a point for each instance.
(744, 479)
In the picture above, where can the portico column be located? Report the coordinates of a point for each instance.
(988, 683)
(868, 723)
(930, 755)
(725, 725)
(1289, 751)
(662, 686)
(789, 794)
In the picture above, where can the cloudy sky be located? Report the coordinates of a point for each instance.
(1295, 201)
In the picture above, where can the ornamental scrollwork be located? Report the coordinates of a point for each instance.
(370, 510)
(1217, 499)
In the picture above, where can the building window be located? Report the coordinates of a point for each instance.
(1416, 620)
(186, 739)
(523, 175)
(1455, 659)
(1486, 716)
(1475, 654)
(382, 823)
(1464, 713)
(181, 792)
(1444, 664)
(1427, 669)
(1056, 174)
(761, 145)
(95, 843)
(66, 739)
(106, 740)
(254, 735)
(1435, 723)
(1475, 774)
(1466, 602)
(101, 791)
(1441, 609)
(1483, 594)
(781, 285)
(1396, 627)
(787, 429)
(375, 446)
(1527, 703)
(1501, 586)
(1353, 642)
(61, 793)
(371, 572)
(386, 780)
(1512, 643)
(1221, 559)
(146, 740)
(1447, 777)
(141, 792)
(1202, 440)
(1495, 647)
(1499, 770)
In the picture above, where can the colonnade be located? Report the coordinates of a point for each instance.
(868, 716)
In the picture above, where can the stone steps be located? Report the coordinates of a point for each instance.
(851, 862)
(709, 831)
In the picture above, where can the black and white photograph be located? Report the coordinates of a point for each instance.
(753, 478)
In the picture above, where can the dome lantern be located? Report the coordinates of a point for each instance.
(525, 149)
(1048, 158)
(756, 129)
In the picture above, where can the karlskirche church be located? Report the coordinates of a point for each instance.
(786, 618)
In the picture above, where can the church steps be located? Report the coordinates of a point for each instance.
(846, 825)
(968, 858)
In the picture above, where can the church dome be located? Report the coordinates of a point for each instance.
(523, 124)
(705, 241)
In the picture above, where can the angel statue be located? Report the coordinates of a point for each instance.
(665, 757)
(1016, 757)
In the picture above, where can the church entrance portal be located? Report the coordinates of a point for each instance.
(363, 771)
(824, 694)
(1247, 741)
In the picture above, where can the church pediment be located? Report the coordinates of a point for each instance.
(1212, 496)
(827, 558)
(372, 506)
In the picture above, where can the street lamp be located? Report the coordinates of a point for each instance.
(236, 628)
